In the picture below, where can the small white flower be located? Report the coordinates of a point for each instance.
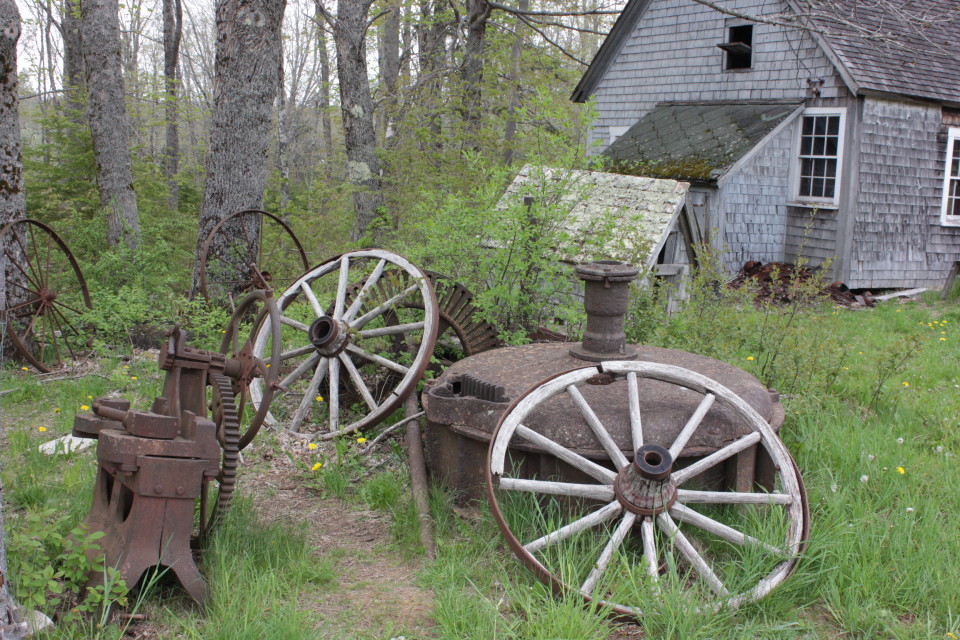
(899, 440)
(939, 448)
(864, 478)
(871, 457)
(909, 509)
(834, 488)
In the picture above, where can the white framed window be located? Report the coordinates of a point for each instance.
(951, 179)
(819, 156)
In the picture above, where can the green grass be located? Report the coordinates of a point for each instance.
(867, 393)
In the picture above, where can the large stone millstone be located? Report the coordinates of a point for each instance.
(459, 426)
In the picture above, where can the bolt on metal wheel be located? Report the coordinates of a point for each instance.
(47, 293)
(349, 359)
(249, 250)
(637, 527)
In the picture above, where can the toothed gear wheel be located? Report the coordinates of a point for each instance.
(227, 419)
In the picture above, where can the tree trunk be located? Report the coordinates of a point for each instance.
(172, 32)
(471, 69)
(283, 140)
(72, 58)
(324, 89)
(109, 126)
(244, 89)
(510, 130)
(389, 60)
(12, 206)
(356, 103)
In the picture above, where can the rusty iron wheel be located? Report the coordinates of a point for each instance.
(348, 362)
(274, 261)
(45, 322)
(636, 528)
(254, 311)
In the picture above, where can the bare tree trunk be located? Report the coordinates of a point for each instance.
(324, 88)
(172, 32)
(471, 70)
(72, 58)
(109, 126)
(12, 206)
(283, 140)
(389, 61)
(244, 89)
(510, 130)
(356, 103)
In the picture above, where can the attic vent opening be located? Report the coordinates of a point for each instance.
(739, 47)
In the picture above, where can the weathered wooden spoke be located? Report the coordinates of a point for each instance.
(357, 334)
(249, 250)
(47, 295)
(709, 544)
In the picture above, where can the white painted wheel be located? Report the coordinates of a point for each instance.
(358, 332)
(636, 528)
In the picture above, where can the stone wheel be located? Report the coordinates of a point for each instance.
(271, 255)
(48, 293)
(637, 527)
(348, 361)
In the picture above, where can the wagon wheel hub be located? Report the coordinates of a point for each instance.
(329, 336)
(645, 487)
(46, 297)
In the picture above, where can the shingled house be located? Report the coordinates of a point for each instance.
(837, 139)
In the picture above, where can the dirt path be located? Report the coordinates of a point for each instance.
(376, 595)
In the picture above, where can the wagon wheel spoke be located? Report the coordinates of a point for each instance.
(633, 405)
(591, 491)
(316, 361)
(312, 297)
(689, 516)
(296, 324)
(365, 319)
(38, 279)
(598, 517)
(687, 496)
(309, 397)
(716, 457)
(606, 441)
(342, 282)
(358, 381)
(687, 550)
(28, 275)
(647, 504)
(368, 285)
(607, 554)
(334, 373)
(649, 549)
(692, 424)
(55, 321)
(372, 357)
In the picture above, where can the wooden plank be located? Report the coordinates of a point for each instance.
(951, 278)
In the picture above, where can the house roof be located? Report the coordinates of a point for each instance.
(696, 140)
(633, 214)
(905, 47)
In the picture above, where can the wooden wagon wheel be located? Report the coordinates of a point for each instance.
(274, 261)
(350, 362)
(45, 322)
(637, 528)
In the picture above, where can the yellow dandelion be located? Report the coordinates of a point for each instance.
(84, 407)
(951, 635)
(319, 398)
(846, 368)
(133, 377)
(860, 352)
(749, 357)
(901, 470)
(316, 466)
(42, 429)
(89, 397)
(24, 369)
(943, 339)
(361, 440)
(312, 446)
(906, 384)
(57, 410)
(223, 331)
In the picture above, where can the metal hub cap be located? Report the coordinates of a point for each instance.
(328, 335)
(644, 486)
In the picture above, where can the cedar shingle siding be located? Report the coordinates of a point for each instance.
(899, 87)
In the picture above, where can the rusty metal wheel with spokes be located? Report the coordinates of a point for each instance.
(638, 528)
(47, 295)
(248, 250)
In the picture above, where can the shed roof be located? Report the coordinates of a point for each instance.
(696, 140)
(903, 47)
(642, 210)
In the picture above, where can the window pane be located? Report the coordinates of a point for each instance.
(806, 145)
(834, 128)
(829, 185)
(804, 186)
(832, 145)
(807, 125)
(956, 208)
(820, 126)
(819, 146)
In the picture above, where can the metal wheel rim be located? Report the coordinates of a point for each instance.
(39, 278)
(796, 511)
(338, 308)
(285, 229)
